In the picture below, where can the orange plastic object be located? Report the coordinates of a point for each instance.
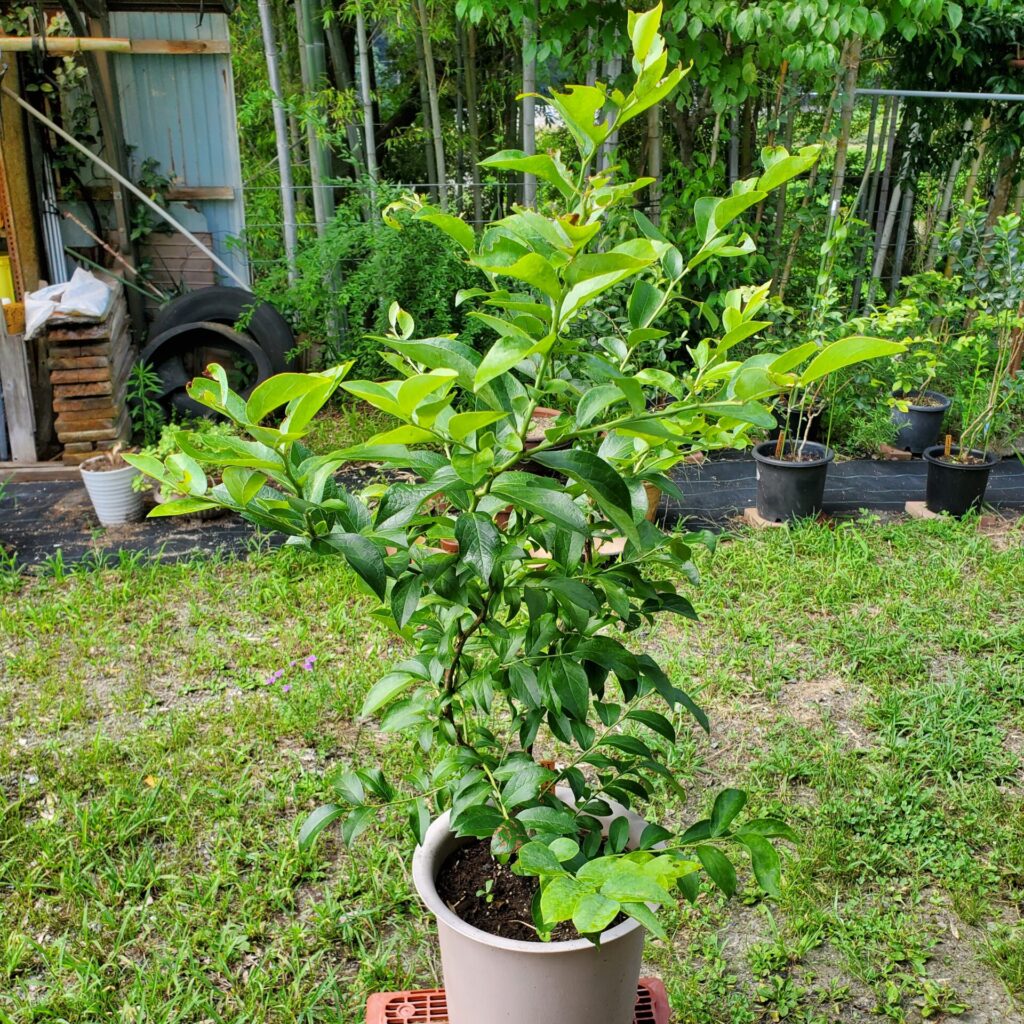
(428, 1006)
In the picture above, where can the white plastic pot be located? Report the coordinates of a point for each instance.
(110, 491)
(491, 980)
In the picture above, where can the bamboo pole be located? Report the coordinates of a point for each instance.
(530, 103)
(133, 188)
(284, 163)
(99, 44)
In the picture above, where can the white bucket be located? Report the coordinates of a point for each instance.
(111, 493)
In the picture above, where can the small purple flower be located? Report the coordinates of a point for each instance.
(309, 662)
(285, 688)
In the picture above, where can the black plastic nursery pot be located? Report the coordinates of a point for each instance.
(919, 427)
(956, 487)
(802, 423)
(786, 489)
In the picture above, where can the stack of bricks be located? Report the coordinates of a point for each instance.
(89, 362)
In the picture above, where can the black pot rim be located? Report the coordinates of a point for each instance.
(761, 454)
(932, 455)
(946, 401)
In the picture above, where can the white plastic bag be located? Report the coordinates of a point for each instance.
(84, 295)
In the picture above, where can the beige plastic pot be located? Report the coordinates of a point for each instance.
(490, 980)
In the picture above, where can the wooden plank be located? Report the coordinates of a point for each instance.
(176, 194)
(17, 389)
(31, 472)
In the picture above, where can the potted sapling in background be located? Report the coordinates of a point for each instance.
(792, 469)
(542, 724)
(988, 263)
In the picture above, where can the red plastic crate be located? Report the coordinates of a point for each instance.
(428, 1006)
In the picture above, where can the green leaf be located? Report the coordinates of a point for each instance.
(644, 303)
(536, 495)
(593, 913)
(181, 507)
(323, 816)
(846, 352)
(559, 899)
(626, 884)
(453, 227)
(462, 424)
(419, 820)
(279, 390)
(599, 479)
(242, 484)
(548, 819)
(532, 268)
(642, 913)
(363, 556)
(781, 167)
(719, 868)
(479, 821)
(540, 165)
(769, 828)
(765, 861)
(652, 835)
(655, 722)
(728, 804)
(385, 690)
(643, 30)
(618, 834)
(595, 401)
(405, 598)
(479, 541)
(537, 859)
(565, 849)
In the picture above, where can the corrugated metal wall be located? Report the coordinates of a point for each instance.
(180, 111)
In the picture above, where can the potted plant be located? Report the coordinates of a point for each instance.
(791, 469)
(109, 480)
(989, 265)
(917, 411)
(166, 444)
(545, 725)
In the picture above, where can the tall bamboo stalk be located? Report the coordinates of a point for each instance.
(941, 218)
(284, 163)
(429, 158)
(313, 68)
(654, 154)
(530, 103)
(473, 119)
(364, 57)
(845, 123)
(435, 106)
(344, 81)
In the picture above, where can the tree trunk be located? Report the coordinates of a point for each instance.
(364, 57)
(529, 104)
(747, 141)
(734, 148)
(612, 70)
(845, 122)
(284, 162)
(654, 161)
(1003, 186)
(435, 107)
(473, 118)
(429, 160)
(716, 134)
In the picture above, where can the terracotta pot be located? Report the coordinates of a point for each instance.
(491, 980)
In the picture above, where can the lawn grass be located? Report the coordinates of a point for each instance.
(867, 682)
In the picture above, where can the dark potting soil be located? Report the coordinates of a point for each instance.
(797, 457)
(501, 909)
(961, 460)
(921, 401)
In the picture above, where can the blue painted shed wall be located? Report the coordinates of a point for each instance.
(180, 110)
